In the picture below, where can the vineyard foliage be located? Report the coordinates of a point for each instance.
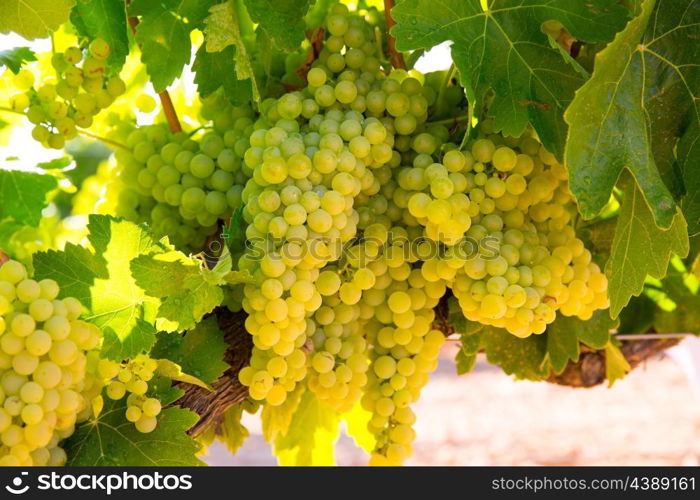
(287, 165)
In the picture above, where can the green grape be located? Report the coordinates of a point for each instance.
(73, 55)
(145, 103)
(215, 203)
(193, 199)
(99, 49)
(201, 166)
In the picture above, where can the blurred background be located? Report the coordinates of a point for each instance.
(651, 417)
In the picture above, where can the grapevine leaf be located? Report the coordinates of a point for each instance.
(35, 18)
(213, 70)
(562, 343)
(629, 114)
(317, 13)
(187, 288)
(222, 29)
(56, 163)
(15, 58)
(105, 19)
(200, 352)
(282, 21)
(684, 290)
(222, 267)
(598, 238)
(231, 431)
(173, 371)
(456, 319)
(503, 49)
(163, 389)
(640, 248)
(689, 159)
(637, 316)
(238, 277)
(23, 195)
(356, 421)
(276, 420)
(164, 36)
(102, 281)
(466, 356)
(464, 362)
(565, 333)
(595, 332)
(233, 233)
(112, 440)
(522, 358)
(616, 366)
(310, 439)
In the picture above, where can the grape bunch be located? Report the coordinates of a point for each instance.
(58, 107)
(515, 261)
(43, 356)
(181, 184)
(359, 215)
(119, 378)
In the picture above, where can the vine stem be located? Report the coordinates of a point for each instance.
(450, 121)
(111, 142)
(10, 110)
(395, 56)
(81, 131)
(165, 101)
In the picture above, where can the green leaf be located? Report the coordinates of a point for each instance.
(276, 420)
(684, 291)
(105, 19)
(470, 346)
(640, 248)
(233, 233)
(23, 195)
(522, 358)
(102, 281)
(222, 29)
(213, 71)
(173, 371)
(187, 288)
(503, 49)
(15, 58)
(163, 389)
(200, 352)
(456, 319)
(310, 439)
(464, 362)
(112, 440)
(616, 366)
(638, 315)
(598, 238)
(231, 431)
(282, 21)
(56, 163)
(595, 332)
(356, 421)
(565, 333)
(689, 160)
(629, 114)
(164, 36)
(239, 277)
(562, 342)
(35, 18)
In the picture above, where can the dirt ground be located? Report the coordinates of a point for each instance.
(486, 418)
